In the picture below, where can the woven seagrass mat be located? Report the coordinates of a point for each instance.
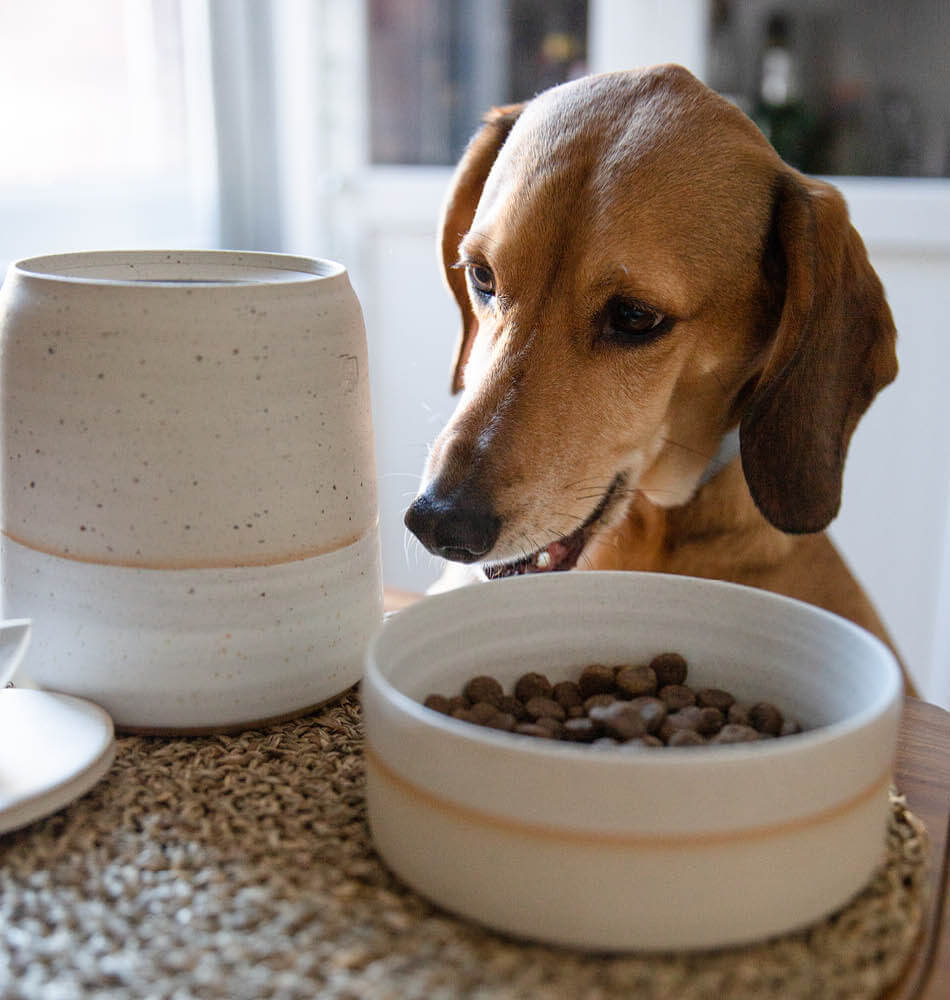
(241, 868)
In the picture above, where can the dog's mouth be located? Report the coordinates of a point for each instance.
(563, 553)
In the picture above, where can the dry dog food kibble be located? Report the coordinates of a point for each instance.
(643, 705)
(484, 689)
(532, 686)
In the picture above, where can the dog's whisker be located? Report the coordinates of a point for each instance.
(605, 541)
(433, 415)
(568, 517)
(534, 547)
(522, 548)
(595, 497)
(685, 447)
(586, 483)
(584, 561)
(408, 547)
(587, 492)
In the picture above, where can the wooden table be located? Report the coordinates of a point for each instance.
(922, 774)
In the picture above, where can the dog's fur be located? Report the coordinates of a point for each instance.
(594, 209)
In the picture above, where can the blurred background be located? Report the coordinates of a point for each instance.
(329, 127)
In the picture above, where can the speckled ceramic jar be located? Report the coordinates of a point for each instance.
(189, 509)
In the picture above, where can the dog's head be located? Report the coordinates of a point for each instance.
(638, 273)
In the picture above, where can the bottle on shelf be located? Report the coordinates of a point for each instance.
(779, 109)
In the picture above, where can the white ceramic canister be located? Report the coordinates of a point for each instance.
(189, 509)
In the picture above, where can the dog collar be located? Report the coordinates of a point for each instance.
(728, 450)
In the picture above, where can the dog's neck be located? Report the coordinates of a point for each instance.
(700, 538)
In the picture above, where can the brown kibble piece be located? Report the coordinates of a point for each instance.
(650, 741)
(567, 694)
(533, 729)
(540, 708)
(733, 733)
(581, 730)
(485, 689)
(457, 701)
(676, 696)
(482, 712)
(685, 738)
(636, 682)
(596, 679)
(502, 720)
(685, 718)
(438, 703)
(710, 721)
(532, 685)
(765, 717)
(626, 728)
(738, 714)
(554, 726)
(714, 698)
(620, 720)
(670, 668)
(510, 705)
(598, 699)
(652, 711)
(576, 712)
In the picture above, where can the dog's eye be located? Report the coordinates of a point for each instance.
(628, 322)
(482, 278)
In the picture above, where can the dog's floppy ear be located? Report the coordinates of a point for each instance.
(457, 215)
(833, 351)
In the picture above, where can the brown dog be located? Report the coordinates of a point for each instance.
(639, 275)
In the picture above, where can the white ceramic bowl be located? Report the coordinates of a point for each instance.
(631, 849)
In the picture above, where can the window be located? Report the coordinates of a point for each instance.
(842, 87)
(435, 67)
(107, 118)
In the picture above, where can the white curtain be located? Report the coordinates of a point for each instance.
(108, 136)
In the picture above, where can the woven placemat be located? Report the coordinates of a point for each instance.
(241, 868)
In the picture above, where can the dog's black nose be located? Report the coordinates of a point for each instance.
(460, 527)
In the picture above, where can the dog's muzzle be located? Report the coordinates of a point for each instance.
(459, 526)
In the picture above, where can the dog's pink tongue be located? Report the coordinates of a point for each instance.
(558, 552)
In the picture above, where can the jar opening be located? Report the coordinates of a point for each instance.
(187, 267)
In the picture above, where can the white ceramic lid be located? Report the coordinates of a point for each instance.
(53, 747)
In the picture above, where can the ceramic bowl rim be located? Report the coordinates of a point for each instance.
(308, 269)
(672, 758)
